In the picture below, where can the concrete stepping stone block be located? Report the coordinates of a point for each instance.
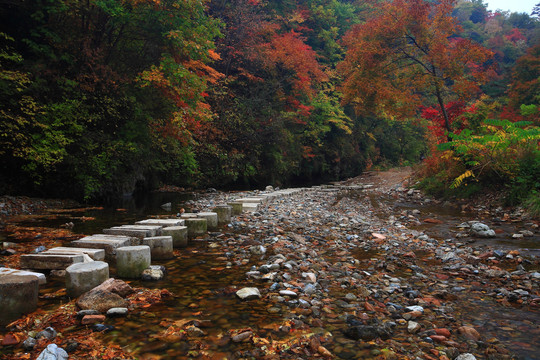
(188, 216)
(224, 213)
(136, 233)
(18, 295)
(161, 222)
(250, 207)
(83, 277)
(7, 271)
(139, 231)
(255, 200)
(196, 227)
(211, 219)
(94, 254)
(109, 243)
(132, 260)
(49, 261)
(161, 247)
(237, 207)
(179, 235)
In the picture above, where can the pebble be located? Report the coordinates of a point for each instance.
(112, 312)
(242, 336)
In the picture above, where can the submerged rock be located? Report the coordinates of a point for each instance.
(53, 352)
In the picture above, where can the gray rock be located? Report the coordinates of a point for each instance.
(53, 352)
(29, 343)
(117, 312)
(415, 308)
(466, 357)
(248, 293)
(257, 250)
(288, 293)
(151, 274)
(49, 334)
(479, 229)
(413, 327)
(83, 313)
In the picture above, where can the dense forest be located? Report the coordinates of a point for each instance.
(106, 97)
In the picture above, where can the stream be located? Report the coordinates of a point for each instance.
(204, 277)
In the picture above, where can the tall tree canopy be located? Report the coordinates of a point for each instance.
(407, 54)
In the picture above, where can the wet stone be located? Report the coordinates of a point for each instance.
(48, 333)
(248, 293)
(29, 344)
(131, 261)
(117, 312)
(18, 295)
(83, 277)
(53, 352)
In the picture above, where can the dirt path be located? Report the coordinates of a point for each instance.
(383, 181)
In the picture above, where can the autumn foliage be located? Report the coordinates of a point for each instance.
(101, 98)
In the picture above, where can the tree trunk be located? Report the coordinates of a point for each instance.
(443, 110)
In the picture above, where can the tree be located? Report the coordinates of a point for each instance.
(409, 53)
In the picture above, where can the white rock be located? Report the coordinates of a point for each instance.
(466, 357)
(248, 293)
(53, 352)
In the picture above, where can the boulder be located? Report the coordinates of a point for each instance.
(116, 286)
(100, 300)
(479, 229)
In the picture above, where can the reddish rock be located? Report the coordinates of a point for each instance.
(469, 333)
(100, 300)
(443, 332)
(412, 315)
(432, 221)
(10, 339)
(116, 286)
(442, 276)
(438, 338)
(410, 254)
(486, 255)
(92, 319)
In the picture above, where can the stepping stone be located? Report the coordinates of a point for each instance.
(18, 295)
(179, 235)
(188, 216)
(161, 247)
(236, 207)
(138, 231)
(94, 254)
(50, 261)
(255, 200)
(224, 213)
(161, 222)
(250, 207)
(7, 271)
(109, 243)
(211, 219)
(196, 227)
(83, 277)
(132, 260)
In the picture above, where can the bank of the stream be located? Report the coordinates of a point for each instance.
(372, 271)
